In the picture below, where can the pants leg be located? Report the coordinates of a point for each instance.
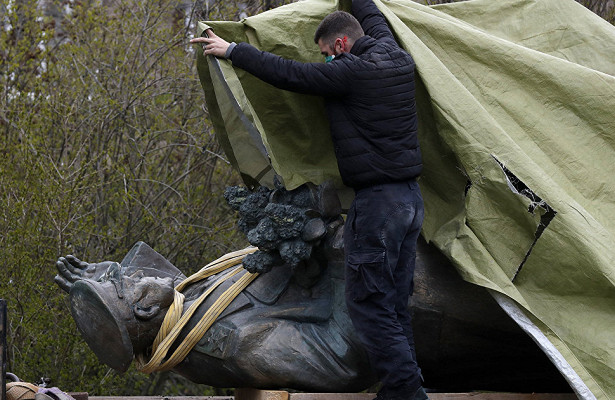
(380, 245)
(404, 279)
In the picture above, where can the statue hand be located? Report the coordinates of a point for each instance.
(71, 269)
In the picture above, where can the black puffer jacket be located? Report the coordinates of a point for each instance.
(369, 95)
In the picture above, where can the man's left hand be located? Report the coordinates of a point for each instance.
(214, 45)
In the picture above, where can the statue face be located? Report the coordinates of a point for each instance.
(147, 296)
(120, 314)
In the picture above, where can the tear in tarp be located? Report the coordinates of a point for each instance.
(529, 82)
(547, 213)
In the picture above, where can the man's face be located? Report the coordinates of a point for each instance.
(325, 49)
(339, 46)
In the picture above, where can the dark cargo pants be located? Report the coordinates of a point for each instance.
(380, 237)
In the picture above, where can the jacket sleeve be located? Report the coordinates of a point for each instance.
(331, 79)
(372, 21)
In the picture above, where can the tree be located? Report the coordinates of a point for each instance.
(604, 8)
(105, 141)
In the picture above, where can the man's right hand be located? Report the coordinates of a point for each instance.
(214, 44)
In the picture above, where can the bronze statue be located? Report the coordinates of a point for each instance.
(289, 328)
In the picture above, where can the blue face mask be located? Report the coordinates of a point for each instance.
(328, 59)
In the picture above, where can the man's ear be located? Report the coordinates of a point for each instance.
(145, 313)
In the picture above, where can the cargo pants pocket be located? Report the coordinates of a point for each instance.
(365, 274)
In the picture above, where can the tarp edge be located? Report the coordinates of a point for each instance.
(516, 313)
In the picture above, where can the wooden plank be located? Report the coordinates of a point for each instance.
(256, 394)
(440, 396)
(3, 325)
(332, 396)
(161, 397)
(501, 396)
(79, 395)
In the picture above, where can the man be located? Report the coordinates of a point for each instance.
(368, 86)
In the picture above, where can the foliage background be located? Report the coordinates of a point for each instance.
(104, 141)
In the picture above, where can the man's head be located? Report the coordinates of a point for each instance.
(337, 33)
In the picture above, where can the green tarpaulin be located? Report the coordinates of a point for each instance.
(516, 102)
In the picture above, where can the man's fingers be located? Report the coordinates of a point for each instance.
(200, 39)
(214, 45)
(209, 49)
(205, 39)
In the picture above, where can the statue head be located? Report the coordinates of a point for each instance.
(120, 315)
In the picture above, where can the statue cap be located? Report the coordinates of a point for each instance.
(102, 317)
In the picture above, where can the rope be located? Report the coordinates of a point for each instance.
(20, 391)
(174, 321)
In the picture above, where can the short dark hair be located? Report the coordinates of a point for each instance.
(338, 24)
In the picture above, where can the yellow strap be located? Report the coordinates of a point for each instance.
(222, 263)
(172, 317)
(161, 351)
(207, 321)
(174, 321)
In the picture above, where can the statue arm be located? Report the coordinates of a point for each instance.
(140, 259)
